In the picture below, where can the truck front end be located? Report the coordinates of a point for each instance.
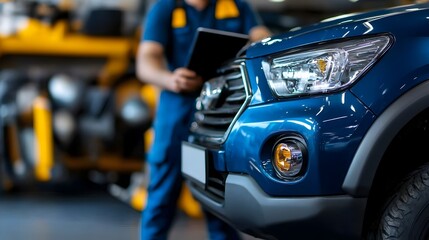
(276, 131)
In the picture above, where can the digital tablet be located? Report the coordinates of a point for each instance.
(211, 48)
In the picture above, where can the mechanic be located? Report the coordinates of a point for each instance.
(166, 40)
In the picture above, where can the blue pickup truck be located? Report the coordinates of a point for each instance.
(320, 132)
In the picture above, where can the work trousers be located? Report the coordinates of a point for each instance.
(164, 187)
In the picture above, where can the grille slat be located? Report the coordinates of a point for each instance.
(236, 88)
(228, 109)
(237, 96)
(232, 76)
(210, 133)
(213, 120)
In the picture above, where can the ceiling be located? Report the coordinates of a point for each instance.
(281, 15)
(319, 5)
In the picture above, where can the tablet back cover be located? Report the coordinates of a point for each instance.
(211, 48)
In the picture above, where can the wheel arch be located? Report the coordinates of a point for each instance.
(363, 169)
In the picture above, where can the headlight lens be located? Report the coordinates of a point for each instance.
(323, 69)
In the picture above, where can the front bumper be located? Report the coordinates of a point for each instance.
(322, 217)
(242, 189)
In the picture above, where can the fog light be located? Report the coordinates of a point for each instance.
(288, 158)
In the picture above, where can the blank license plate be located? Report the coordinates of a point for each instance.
(194, 162)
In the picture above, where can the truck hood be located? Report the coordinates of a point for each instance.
(343, 26)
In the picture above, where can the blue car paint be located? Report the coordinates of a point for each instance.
(331, 126)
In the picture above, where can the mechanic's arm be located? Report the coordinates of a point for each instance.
(152, 69)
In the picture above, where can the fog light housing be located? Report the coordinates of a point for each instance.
(288, 158)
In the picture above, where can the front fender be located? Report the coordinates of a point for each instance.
(360, 176)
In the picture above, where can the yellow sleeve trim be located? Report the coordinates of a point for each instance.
(226, 9)
(178, 19)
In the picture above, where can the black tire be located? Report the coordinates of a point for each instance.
(407, 213)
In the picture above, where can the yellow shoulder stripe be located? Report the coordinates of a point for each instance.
(178, 19)
(226, 9)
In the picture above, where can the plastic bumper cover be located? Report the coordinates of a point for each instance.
(252, 211)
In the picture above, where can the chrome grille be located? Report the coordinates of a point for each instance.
(220, 103)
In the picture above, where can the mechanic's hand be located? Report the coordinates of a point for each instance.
(185, 80)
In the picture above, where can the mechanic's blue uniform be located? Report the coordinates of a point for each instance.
(175, 111)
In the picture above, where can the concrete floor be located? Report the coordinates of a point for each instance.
(87, 214)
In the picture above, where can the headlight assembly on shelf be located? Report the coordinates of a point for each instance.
(323, 69)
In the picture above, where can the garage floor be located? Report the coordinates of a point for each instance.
(87, 214)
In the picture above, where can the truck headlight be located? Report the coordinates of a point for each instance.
(326, 68)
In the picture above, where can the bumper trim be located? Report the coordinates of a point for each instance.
(252, 211)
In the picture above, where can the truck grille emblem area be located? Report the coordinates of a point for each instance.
(219, 103)
(210, 94)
